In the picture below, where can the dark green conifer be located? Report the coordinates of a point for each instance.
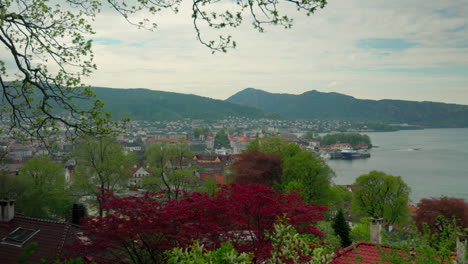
(221, 139)
(341, 227)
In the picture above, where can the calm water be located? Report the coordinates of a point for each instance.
(433, 162)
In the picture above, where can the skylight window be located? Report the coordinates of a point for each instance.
(19, 236)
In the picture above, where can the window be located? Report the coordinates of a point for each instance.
(19, 236)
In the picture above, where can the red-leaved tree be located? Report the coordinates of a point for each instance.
(257, 167)
(449, 207)
(139, 230)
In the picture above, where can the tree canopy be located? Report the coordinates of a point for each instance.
(45, 193)
(205, 131)
(300, 169)
(142, 228)
(451, 208)
(350, 138)
(380, 195)
(221, 139)
(171, 168)
(49, 50)
(257, 167)
(101, 164)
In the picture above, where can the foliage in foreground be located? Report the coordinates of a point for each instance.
(425, 247)
(141, 229)
(196, 254)
(287, 246)
(290, 247)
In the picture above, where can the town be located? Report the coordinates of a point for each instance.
(196, 156)
(154, 131)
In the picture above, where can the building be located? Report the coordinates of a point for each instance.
(18, 231)
(371, 253)
(138, 173)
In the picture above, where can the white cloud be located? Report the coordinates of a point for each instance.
(317, 51)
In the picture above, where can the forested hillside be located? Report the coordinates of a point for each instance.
(144, 104)
(335, 106)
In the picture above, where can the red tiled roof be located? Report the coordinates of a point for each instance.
(243, 139)
(217, 176)
(361, 252)
(175, 140)
(50, 238)
(204, 157)
(367, 253)
(207, 165)
(413, 209)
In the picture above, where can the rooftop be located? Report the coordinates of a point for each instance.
(14, 237)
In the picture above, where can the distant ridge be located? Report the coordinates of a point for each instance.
(335, 106)
(150, 105)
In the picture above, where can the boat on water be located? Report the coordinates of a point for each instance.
(349, 154)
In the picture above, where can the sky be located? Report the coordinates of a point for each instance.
(370, 49)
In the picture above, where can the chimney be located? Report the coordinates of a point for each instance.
(78, 212)
(376, 230)
(461, 248)
(7, 210)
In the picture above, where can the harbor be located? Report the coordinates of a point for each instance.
(349, 154)
(345, 151)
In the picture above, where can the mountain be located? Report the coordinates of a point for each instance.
(335, 106)
(144, 104)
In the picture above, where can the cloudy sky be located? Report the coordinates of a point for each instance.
(372, 49)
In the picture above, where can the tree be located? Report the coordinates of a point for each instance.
(10, 186)
(342, 196)
(140, 229)
(205, 131)
(361, 231)
(221, 139)
(310, 135)
(351, 138)
(257, 167)
(269, 145)
(101, 165)
(301, 170)
(342, 229)
(48, 52)
(171, 169)
(209, 186)
(453, 209)
(45, 193)
(380, 195)
(329, 237)
(307, 172)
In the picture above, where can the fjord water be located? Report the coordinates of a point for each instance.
(433, 162)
